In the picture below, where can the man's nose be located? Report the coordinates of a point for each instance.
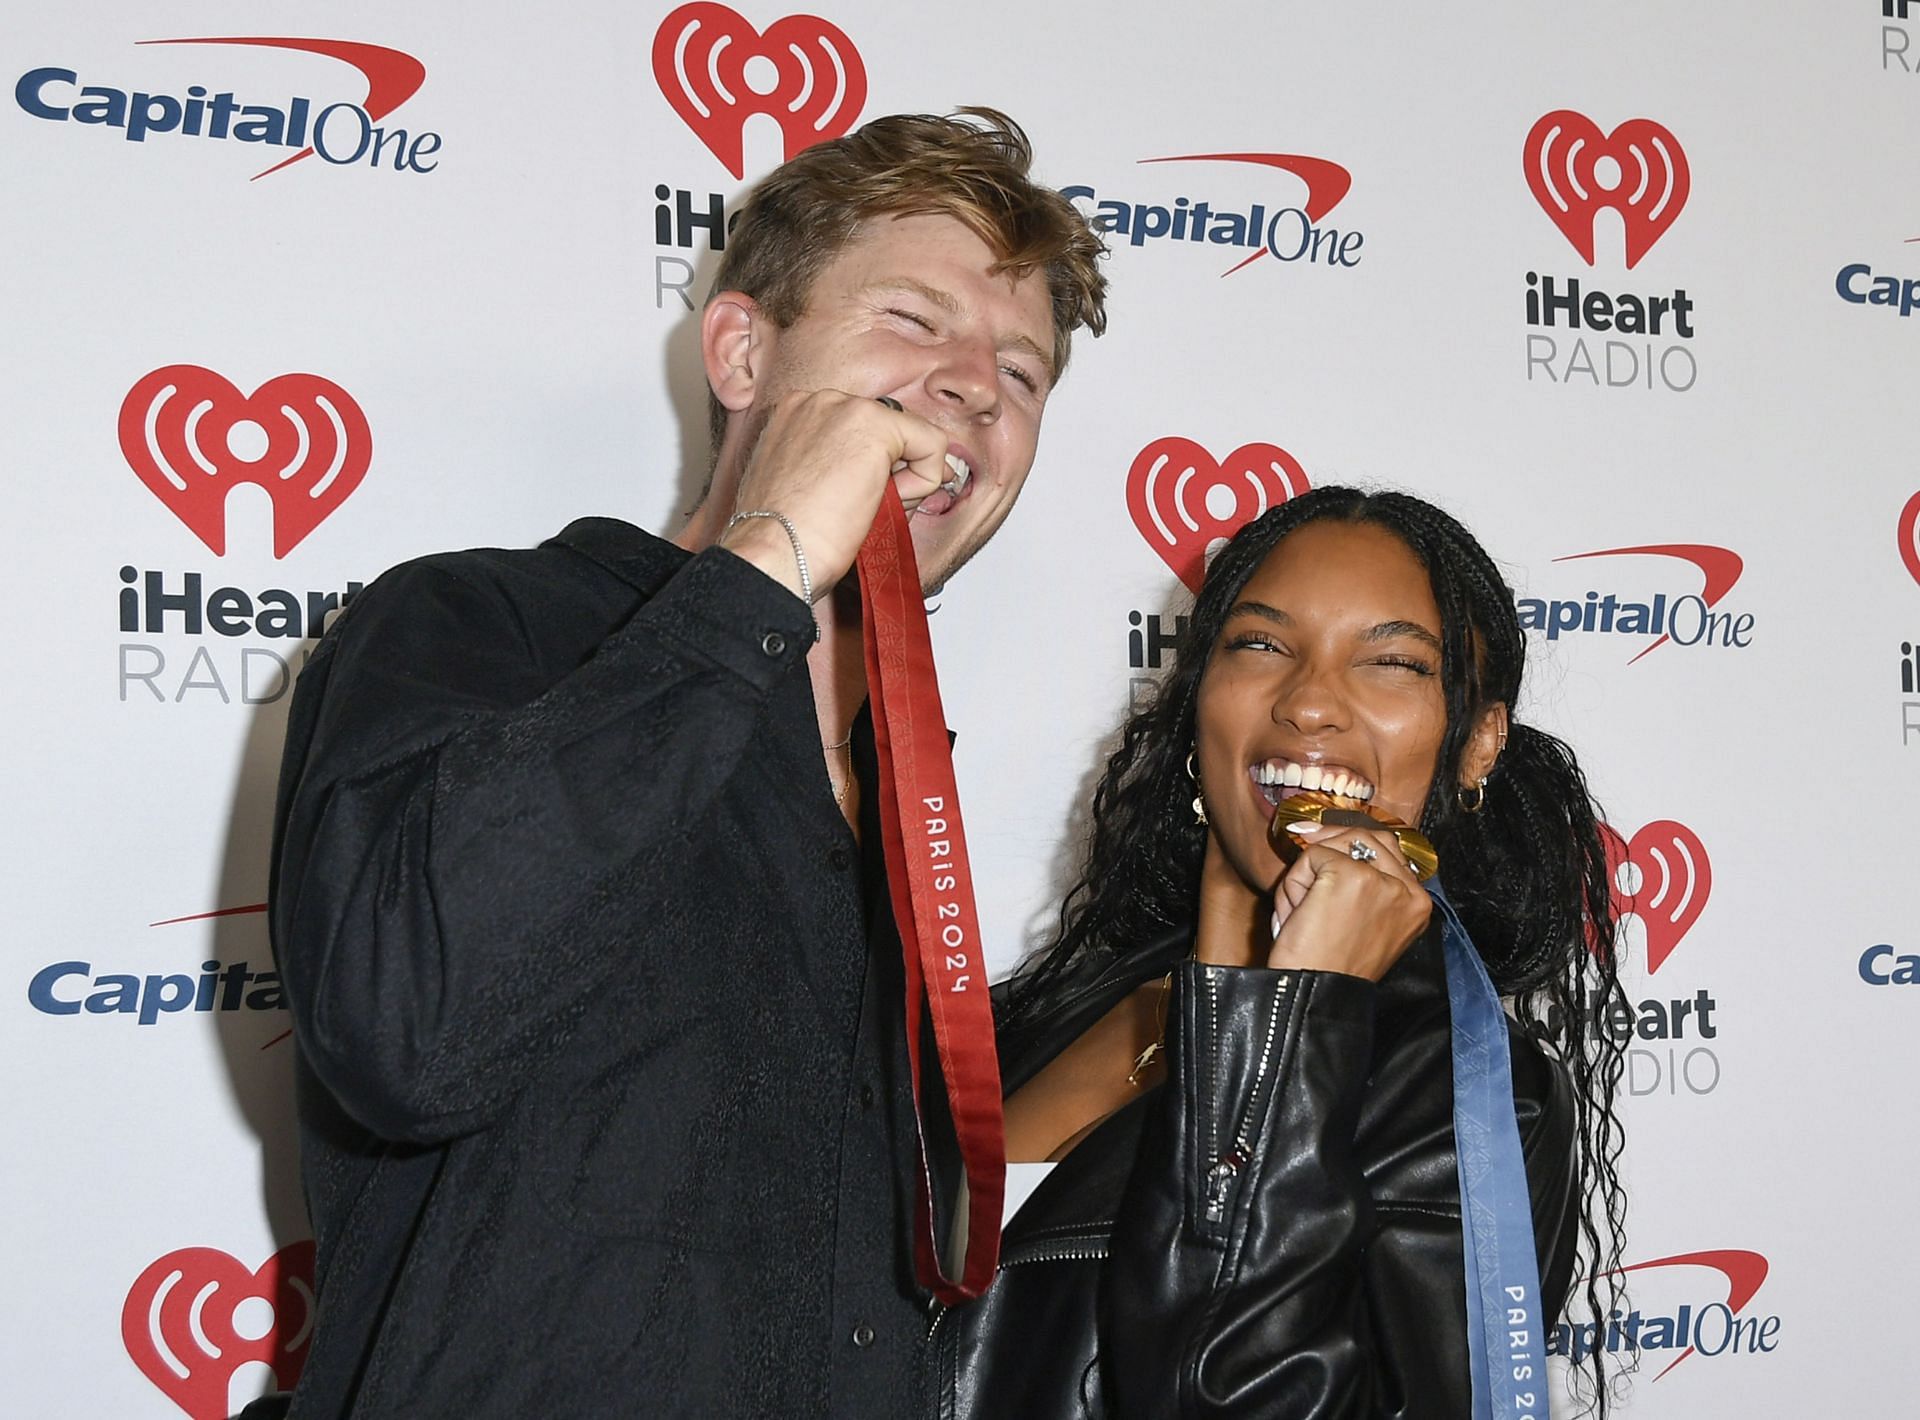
(966, 379)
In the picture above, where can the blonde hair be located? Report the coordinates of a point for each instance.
(804, 212)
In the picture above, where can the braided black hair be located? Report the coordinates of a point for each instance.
(1527, 871)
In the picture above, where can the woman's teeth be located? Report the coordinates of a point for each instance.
(1283, 774)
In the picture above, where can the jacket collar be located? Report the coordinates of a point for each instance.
(632, 554)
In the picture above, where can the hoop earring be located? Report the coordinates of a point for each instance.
(1199, 804)
(1479, 800)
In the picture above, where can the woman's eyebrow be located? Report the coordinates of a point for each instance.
(1387, 630)
(1263, 611)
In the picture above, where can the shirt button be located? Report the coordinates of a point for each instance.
(863, 1336)
(867, 1097)
(838, 860)
(774, 644)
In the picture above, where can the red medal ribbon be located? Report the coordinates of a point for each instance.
(931, 883)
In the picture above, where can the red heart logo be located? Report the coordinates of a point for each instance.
(1674, 878)
(1648, 190)
(813, 80)
(1185, 503)
(182, 1327)
(1910, 536)
(191, 436)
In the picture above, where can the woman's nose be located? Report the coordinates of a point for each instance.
(1310, 702)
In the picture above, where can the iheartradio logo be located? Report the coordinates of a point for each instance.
(191, 436)
(1909, 533)
(1639, 170)
(1186, 502)
(1661, 875)
(718, 71)
(196, 1316)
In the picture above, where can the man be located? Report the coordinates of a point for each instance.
(577, 896)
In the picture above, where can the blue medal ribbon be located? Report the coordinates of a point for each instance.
(1505, 1330)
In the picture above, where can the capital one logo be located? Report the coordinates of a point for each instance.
(342, 132)
(1289, 233)
(196, 1316)
(1639, 170)
(718, 71)
(192, 437)
(1186, 503)
(1909, 534)
(1689, 619)
(1663, 876)
(1717, 1327)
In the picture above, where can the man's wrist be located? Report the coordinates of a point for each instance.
(764, 544)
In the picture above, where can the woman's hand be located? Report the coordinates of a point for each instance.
(1334, 912)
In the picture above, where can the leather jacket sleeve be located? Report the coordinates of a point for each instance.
(456, 783)
(1258, 1267)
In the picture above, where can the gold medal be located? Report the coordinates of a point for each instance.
(1312, 806)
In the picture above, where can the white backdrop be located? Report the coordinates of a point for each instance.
(490, 341)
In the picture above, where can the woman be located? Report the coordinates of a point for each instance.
(1243, 1068)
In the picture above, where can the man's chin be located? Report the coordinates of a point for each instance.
(933, 555)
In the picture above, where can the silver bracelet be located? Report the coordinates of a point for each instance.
(799, 554)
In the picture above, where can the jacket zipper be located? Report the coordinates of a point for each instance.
(1220, 1177)
(1066, 1250)
(1226, 1166)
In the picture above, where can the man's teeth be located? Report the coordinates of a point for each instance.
(1312, 776)
(957, 466)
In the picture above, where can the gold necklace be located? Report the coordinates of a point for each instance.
(1157, 1046)
(840, 789)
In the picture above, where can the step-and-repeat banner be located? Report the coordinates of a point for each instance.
(294, 292)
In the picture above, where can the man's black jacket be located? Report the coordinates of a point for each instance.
(601, 1096)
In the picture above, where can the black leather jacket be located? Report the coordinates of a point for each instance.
(1317, 1273)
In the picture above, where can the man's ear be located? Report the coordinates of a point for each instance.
(732, 332)
(1483, 749)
